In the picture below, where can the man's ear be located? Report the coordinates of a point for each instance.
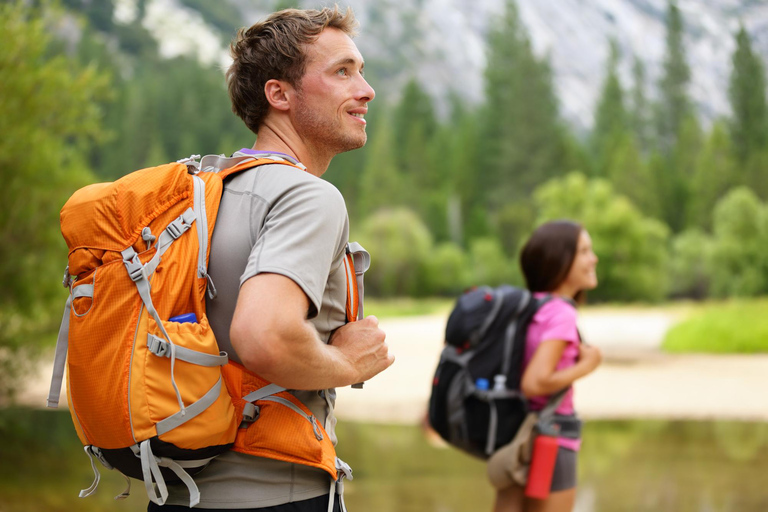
(278, 93)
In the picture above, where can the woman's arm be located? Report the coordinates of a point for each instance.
(541, 377)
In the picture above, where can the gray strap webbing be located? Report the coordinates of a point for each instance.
(494, 418)
(151, 472)
(295, 408)
(190, 411)
(127, 491)
(174, 230)
(552, 404)
(60, 357)
(362, 263)
(337, 486)
(194, 492)
(269, 389)
(202, 226)
(97, 476)
(498, 299)
(83, 290)
(509, 334)
(216, 163)
(138, 274)
(150, 468)
(162, 348)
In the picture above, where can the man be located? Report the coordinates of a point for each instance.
(278, 249)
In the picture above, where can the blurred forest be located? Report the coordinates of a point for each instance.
(675, 209)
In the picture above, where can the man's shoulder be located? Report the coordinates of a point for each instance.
(274, 180)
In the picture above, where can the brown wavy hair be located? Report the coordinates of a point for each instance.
(275, 48)
(548, 255)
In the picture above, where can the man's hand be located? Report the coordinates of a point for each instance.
(364, 346)
(273, 339)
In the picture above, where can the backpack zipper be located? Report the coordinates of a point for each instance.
(309, 417)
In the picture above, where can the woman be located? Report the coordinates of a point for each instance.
(557, 261)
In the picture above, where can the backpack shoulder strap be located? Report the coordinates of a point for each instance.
(226, 166)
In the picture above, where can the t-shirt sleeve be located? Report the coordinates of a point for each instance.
(558, 322)
(302, 235)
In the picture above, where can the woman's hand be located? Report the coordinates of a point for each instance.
(590, 356)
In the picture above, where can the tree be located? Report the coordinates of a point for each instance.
(630, 175)
(739, 263)
(50, 115)
(639, 111)
(611, 118)
(522, 142)
(747, 95)
(674, 105)
(632, 248)
(404, 245)
(715, 174)
(381, 182)
(689, 265)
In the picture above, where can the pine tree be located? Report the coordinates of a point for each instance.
(640, 115)
(611, 119)
(674, 104)
(714, 176)
(747, 94)
(522, 138)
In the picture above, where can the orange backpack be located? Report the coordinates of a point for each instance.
(149, 392)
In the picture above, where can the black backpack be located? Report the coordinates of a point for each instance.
(476, 403)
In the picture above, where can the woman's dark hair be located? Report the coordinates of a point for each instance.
(548, 255)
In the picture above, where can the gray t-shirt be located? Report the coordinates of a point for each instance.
(283, 220)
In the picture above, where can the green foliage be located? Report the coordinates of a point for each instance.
(522, 143)
(489, 265)
(631, 248)
(407, 306)
(166, 111)
(736, 326)
(50, 115)
(747, 94)
(674, 105)
(739, 261)
(630, 174)
(640, 118)
(401, 245)
(381, 182)
(448, 270)
(713, 176)
(689, 263)
(611, 118)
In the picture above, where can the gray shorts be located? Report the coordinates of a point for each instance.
(564, 474)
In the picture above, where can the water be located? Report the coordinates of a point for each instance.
(636, 466)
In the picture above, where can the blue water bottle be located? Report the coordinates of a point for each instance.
(190, 318)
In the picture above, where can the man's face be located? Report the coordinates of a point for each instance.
(332, 97)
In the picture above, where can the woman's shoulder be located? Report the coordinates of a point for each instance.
(554, 308)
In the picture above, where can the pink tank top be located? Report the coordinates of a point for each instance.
(555, 320)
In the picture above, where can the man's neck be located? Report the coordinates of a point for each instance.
(270, 139)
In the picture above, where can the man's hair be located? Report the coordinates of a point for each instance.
(276, 48)
(547, 256)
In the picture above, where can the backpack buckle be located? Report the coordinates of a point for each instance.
(157, 346)
(251, 413)
(133, 265)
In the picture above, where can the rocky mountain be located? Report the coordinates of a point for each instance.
(443, 42)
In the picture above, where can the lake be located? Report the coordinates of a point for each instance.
(637, 466)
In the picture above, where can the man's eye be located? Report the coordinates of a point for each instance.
(342, 71)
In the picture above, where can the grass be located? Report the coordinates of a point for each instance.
(734, 326)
